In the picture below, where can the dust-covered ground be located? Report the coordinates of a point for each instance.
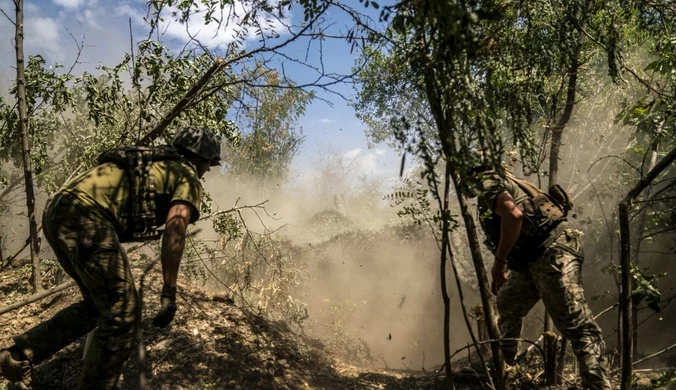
(212, 344)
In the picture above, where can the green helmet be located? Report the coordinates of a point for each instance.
(199, 141)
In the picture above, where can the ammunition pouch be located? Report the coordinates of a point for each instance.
(137, 162)
(561, 198)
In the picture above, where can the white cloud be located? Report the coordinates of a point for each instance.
(29, 8)
(90, 19)
(325, 120)
(211, 35)
(380, 152)
(351, 155)
(134, 13)
(44, 35)
(69, 3)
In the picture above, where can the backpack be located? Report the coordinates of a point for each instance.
(136, 161)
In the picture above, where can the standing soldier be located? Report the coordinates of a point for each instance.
(538, 256)
(125, 198)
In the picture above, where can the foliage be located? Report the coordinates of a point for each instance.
(228, 226)
(340, 340)
(271, 139)
(645, 289)
(75, 118)
(257, 270)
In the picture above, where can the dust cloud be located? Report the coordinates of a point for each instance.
(372, 284)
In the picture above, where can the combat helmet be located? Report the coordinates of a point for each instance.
(199, 141)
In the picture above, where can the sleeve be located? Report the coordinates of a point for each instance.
(188, 188)
(490, 187)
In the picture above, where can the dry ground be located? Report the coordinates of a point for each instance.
(213, 344)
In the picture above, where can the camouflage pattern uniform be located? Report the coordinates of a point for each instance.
(83, 224)
(555, 277)
(90, 252)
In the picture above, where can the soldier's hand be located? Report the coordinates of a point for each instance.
(167, 309)
(500, 274)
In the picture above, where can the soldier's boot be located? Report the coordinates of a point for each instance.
(15, 369)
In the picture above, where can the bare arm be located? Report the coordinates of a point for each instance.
(510, 226)
(173, 241)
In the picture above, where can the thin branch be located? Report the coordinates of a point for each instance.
(8, 18)
(606, 311)
(665, 350)
(625, 67)
(234, 209)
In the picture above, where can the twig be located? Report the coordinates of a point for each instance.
(534, 343)
(37, 297)
(233, 209)
(662, 369)
(530, 348)
(8, 18)
(605, 311)
(216, 277)
(665, 350)
(16, 252)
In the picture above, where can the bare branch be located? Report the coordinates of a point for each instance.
(8, 18)
(37, 297)
(665, 350)
(233, 209)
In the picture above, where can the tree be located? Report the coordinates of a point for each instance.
(272, 140)
(102, 111)
(480, 76)
(653, 114)
(26, 144)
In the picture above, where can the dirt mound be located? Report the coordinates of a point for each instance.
(212, 344)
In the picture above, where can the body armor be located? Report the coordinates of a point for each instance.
(136, 162)
(544, 214)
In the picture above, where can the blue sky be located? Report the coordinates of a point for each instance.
(105, 27)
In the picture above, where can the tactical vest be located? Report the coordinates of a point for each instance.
(137, 162)
(542, 223)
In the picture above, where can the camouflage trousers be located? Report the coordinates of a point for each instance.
(90, 253)
(556, 279)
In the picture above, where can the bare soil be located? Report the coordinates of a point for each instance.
(213, 344)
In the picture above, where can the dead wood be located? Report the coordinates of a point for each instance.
(37, 297)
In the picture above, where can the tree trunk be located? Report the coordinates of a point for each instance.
(447, 137)
(445, 227)
(23, 129)
(625, 265)
(550, 357)
(484, 290)
(625, 298)
(640, 226)
(557, 134)
(479, 348)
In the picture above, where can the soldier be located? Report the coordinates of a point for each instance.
(125, 198)
(538, 256)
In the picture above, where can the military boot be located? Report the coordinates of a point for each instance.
(16, 371)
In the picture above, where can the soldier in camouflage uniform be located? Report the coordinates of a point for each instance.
(538, 256)
(85, 223)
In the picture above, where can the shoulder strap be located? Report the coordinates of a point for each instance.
(122, 154)
(531, 189)
(137, 162)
